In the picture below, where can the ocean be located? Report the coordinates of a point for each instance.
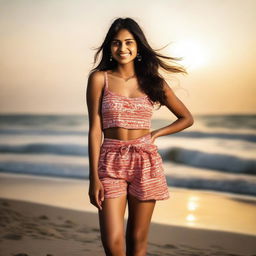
(217, 153)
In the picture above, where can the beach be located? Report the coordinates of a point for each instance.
(53, 216)
(50, 50)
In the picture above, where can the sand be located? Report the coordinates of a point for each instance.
(34, 223)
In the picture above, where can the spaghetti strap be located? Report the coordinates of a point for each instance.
(106, 80)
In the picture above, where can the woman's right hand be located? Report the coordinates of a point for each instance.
(96, 193)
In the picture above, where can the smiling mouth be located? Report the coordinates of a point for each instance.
(124, 55)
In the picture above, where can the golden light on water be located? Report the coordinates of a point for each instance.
(193, 52)
(192, 205)
(190, 218)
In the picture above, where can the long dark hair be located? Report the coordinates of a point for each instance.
(146, 70)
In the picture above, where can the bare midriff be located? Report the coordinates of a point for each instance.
(120, 133)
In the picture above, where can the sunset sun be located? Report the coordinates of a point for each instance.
(194, 53)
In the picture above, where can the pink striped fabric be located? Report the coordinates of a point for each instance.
(134, 166)
(121, 111)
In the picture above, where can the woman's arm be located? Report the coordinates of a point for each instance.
(93, 99)
(185, 118)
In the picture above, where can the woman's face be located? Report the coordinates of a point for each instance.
(124, 47)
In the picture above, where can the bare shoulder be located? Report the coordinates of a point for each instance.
(167, 89)
(95, 86)
(96, 79)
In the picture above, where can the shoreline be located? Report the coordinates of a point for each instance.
(38, 229)
(185, 207)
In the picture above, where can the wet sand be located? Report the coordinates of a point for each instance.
(40, 216)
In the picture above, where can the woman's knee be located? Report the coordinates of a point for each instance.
(114, 245)
(137, 242)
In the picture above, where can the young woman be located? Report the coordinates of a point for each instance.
(121, 93)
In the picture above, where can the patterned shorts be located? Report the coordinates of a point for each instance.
(134, 167)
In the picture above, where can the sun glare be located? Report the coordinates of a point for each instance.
(194, 54)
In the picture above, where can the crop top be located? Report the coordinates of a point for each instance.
(127, 112)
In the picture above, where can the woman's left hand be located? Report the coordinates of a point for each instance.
(152, 137)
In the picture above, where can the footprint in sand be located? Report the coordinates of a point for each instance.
(43, 217)
(69, 224)
(12, 236)
(6, 204)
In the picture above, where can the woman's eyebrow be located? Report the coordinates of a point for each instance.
(124, 39)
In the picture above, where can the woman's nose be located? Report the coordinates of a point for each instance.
(122, 46)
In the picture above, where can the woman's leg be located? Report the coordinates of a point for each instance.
(140, 213)
(111, 219)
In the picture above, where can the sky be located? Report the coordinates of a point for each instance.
(47, 51)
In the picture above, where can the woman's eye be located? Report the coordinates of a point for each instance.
(114, 43)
